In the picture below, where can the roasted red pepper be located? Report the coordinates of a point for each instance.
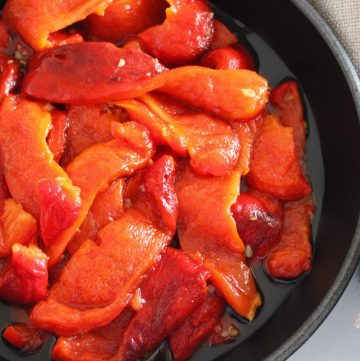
(107, 207)
(128, 17)
(36, 23)
(24, 337)
(159, 184)
(223, 37)
(56, 139)
(17, 226)
(99, 344)
(171, 293)
(10, 74)
(229, 58)
(185, 34)
(287, 102)
(212, 145)
(123, 74)
(24, 279)
(24, 125)
(60, 205)
(197, 328)
(257, 226)
(274, 166)
(95, 168)
(206, 228)
(88, 124)
(292, 256)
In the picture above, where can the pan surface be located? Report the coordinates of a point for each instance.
(290, 40)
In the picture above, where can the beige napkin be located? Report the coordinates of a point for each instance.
(344, 18)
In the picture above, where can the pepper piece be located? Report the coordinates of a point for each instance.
(95, 168)
(223, 37)
(24, 279)
(197, 328)
(56, 139)
(172, 292)
(258, 227)
(17, 226)
(206, 227)
(119, 73)
(10, 75)
(88, 124)
(292, 256)
(36, 23)
(24, 125)
(69, 71)
(99, 344)
(84, 299)
(107, 207)
(24, 337)
(185, 34)
(232, 57)
(274, 166)
(159, 184)
(287, 102)
(128, 17)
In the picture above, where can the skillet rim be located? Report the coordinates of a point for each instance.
(348, 267)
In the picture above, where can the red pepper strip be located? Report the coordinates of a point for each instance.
(246, 133)
(274, 164)
(99, 344)
(172, 292)
(24, 125)
(87, 73)
(36, 23)
(197, 328)
(185, 34)
(127, 17)
(206, 226)
(223, 37)
(88, 124)
(229, 58)
(287, 102)
(159, 184)
(56, 139)
(4, 36)
(98, 282)
(24, 337)
(292, 256)
(212, 145)
(17, 226)
(95, 168)
(258, 227)
(159, 130)
(60, 206)
(24, 279)
(124, 74)
(107, 207)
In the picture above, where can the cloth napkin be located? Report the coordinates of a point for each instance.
(344, 18)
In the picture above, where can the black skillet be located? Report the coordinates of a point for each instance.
(290, 40)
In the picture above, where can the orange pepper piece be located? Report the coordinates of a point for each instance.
(206, 227)
(24, 125)
(274, 166)
(98, 282)
(94, 169)
(36, 23)
(292, 255)
(17, 226)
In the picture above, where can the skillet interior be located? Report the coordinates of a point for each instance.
(310, 60)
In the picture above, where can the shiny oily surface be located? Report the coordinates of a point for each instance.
(274, 293)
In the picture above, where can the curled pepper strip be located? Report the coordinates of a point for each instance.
(36, 23)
